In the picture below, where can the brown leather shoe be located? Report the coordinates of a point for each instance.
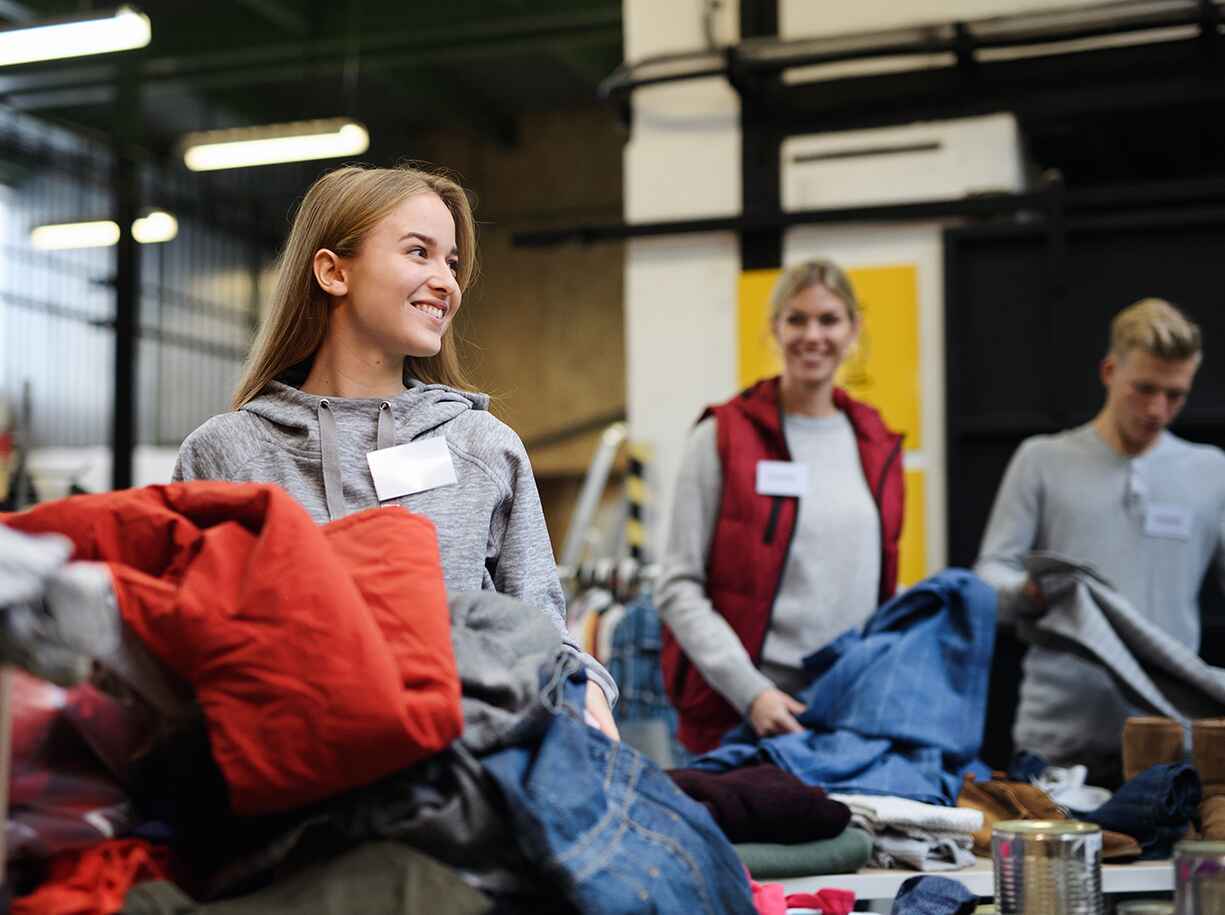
(1149, 741)
(1004, 800)
(1208, 754)
(1212, 818)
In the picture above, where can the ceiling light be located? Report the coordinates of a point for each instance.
(97, 234)
(78, 36)
(158, 226)
(246, 146)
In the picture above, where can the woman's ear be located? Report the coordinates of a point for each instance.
(330, 272)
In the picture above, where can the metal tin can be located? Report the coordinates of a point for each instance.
(1047, 867)
(1199, 878)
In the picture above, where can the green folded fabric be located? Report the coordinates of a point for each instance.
(382, 877)
(844, 854)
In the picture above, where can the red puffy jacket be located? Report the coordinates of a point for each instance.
(321, 656)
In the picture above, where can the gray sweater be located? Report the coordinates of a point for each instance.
(829, 583)
(491, 528)
(1074, 495)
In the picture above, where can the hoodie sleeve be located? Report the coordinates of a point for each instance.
(520, 559)
(207, 453)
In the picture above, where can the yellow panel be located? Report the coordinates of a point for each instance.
(883, 369)
(912, 564)
(758, 352)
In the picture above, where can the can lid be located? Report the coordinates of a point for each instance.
(1044, 827)
(1200, 847)
(1145, 907)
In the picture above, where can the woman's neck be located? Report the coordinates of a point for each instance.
(807, 400)
(349, 371)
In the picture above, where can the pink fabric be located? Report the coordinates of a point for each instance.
(768, 898)
(830, 902)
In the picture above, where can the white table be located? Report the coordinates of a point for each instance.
(875, 883)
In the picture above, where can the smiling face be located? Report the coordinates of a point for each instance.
(400, 289)
(815, 331)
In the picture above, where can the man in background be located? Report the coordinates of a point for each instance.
(1141, 506)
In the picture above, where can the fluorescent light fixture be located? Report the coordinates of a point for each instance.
(122, 30)
(97, 234)
(156, 227)
(298, 142)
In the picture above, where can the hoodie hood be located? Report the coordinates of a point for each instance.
(417, 411)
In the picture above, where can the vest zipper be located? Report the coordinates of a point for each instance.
(880, 509)
(884, 477)
(776, 509)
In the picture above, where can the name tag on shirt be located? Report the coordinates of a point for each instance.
(413, 467)
(1167, 520)
(781, 478)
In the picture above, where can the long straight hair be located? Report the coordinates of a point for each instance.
(338, 213)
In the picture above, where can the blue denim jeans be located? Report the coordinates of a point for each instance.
(933, 896)
(609, 826)
(1154, 808)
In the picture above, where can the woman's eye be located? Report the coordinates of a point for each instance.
(417, 251)
(454, 265)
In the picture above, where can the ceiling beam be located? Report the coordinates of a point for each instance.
(474, 109)
(270, 66)
(279, 14)
(17, 12)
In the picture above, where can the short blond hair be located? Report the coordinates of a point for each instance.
(809, 273)
(1156, 327)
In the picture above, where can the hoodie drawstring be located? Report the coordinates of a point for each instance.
(333, 487)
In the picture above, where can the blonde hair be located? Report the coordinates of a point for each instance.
(1156, 327)
(338, 213)
(805, 275)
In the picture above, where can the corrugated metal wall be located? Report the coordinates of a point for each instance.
(198, 297)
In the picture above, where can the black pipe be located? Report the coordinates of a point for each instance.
(1119, 197)
(126, 190)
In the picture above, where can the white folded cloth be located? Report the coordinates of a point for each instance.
(914, 835)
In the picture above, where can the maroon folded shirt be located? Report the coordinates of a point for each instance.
(762, 803)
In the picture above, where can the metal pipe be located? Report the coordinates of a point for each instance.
(589, 496)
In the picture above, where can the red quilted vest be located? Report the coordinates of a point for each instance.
(753, 535)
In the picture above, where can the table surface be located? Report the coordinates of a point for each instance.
(875, 883)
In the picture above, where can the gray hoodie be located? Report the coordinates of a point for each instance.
(491, 528)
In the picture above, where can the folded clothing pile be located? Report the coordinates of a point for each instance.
(912, 835)
(780, 826)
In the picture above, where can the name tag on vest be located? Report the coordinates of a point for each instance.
(1167, 520)
(413, 467)
(781, 478)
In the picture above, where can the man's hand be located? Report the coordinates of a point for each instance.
(599, 715)
(1033, 593)
(773, 712)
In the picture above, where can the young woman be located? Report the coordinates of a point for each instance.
(354, 358)
(767, 562)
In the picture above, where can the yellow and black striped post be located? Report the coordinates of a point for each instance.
(637, 495)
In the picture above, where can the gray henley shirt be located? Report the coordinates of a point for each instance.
(1073, 494)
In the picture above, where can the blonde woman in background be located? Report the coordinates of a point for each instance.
(785, 523)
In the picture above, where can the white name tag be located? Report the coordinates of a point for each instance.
(414, 467)
(1165, 519)
(781, 478)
